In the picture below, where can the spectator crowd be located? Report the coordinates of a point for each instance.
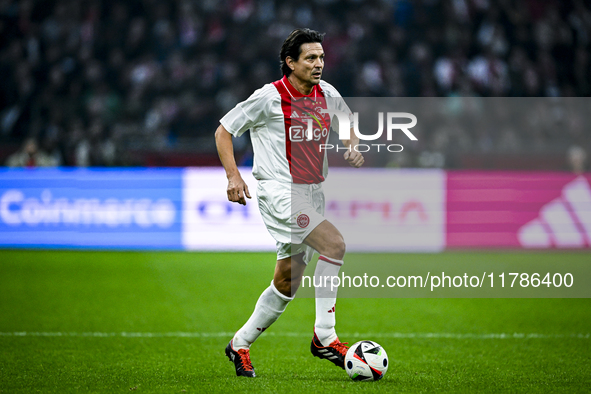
(90, 81)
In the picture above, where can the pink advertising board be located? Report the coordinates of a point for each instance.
(518, 209)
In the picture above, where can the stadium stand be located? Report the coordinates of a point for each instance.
(144, 82)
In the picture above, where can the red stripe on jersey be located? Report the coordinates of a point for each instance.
(306, 160)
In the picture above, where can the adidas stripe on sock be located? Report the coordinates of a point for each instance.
(324, 326)
(269, 307)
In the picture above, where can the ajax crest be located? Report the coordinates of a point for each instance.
(303, 220)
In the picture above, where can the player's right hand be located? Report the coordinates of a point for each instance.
(237, 190)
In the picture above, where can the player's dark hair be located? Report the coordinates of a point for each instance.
(292, 46)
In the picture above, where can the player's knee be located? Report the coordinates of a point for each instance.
(337, 248)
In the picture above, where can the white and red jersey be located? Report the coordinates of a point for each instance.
(277, 116)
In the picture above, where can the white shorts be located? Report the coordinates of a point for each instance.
(291, 212)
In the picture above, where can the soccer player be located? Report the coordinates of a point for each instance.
(290, 167)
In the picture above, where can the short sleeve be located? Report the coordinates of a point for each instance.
(343, 107)
(249, 113)
(337, 101)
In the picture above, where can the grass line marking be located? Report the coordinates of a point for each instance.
(395, 335)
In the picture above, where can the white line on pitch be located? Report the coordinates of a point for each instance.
(395, 335)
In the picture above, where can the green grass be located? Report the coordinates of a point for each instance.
(209, 295)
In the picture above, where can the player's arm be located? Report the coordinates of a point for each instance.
(237, 188)
(354, 158)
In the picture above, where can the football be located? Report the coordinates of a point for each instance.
(366, 360)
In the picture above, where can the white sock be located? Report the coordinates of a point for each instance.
(326, 299)
(269, 307)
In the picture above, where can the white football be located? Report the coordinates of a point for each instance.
(366, 360)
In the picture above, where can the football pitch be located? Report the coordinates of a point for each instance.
(158, 322)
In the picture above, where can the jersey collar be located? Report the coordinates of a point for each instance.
(293, 92)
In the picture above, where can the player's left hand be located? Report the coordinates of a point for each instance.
(354, 158)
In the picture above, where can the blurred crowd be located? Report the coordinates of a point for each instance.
(90, 81)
